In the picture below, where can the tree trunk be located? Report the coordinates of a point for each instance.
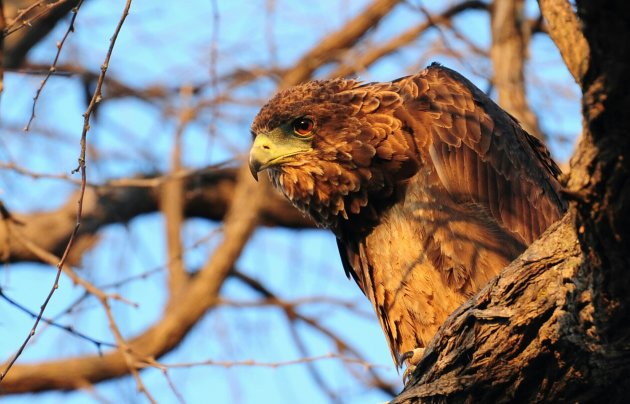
(553, 327)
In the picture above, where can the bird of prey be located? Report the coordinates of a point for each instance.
(429, 186)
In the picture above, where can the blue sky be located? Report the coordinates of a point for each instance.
(169, 43)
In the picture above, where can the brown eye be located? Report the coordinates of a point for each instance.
(303, 126)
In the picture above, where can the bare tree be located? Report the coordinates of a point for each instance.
(546, 329)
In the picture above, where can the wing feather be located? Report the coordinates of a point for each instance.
(482, 155)
(349, 254)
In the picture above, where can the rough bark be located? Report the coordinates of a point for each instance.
(553, 327)
(528, 336)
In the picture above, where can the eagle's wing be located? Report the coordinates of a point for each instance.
(481, 153)
(349, 253)
(495, 192)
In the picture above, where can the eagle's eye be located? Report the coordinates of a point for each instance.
(303, 126)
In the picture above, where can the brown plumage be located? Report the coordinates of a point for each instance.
(429, 186)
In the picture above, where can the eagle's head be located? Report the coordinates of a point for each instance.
(327, 147)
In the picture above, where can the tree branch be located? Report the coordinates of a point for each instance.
(531, 324)
(20, 43)
(3, 24)
(510, 40)
(207, 195)
(565, 30)
(172, 200)
(370, 56)
(334, 43)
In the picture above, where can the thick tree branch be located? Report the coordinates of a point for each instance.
(207, 195)
(565, 30)
(602, 167)
(172, 201)
(527, 336)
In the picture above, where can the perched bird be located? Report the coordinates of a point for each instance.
(429, 186)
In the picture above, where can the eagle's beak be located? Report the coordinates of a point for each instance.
(274, 148)
(260, 154)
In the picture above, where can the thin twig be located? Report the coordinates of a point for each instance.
(53, 67)
(19, 22)
(96, 98)
(52, 259)
(370, 56)
(67, 328)
(130, 359)
(137, 182)
(173, 387)
(295, 316)
(81, 168)
(3, 24)
(253, 363)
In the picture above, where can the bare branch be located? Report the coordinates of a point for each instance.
(51, 69)
(61, 263)
(293, 315)
(3, 24)
(329, 48)
(27, 16)
(172, 200)
(39, 25)
(510, 39)
(368, 57)
(253, 363)
(565, 30)
(67, 328)
(208, 193)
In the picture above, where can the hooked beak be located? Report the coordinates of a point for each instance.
(255, 161)
(260, 154)
(273, 148)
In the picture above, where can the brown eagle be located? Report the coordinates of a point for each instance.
(429, 186)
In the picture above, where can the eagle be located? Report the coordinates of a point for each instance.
(429, 187)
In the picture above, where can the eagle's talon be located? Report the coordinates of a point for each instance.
(412, 358)
(408, 374)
